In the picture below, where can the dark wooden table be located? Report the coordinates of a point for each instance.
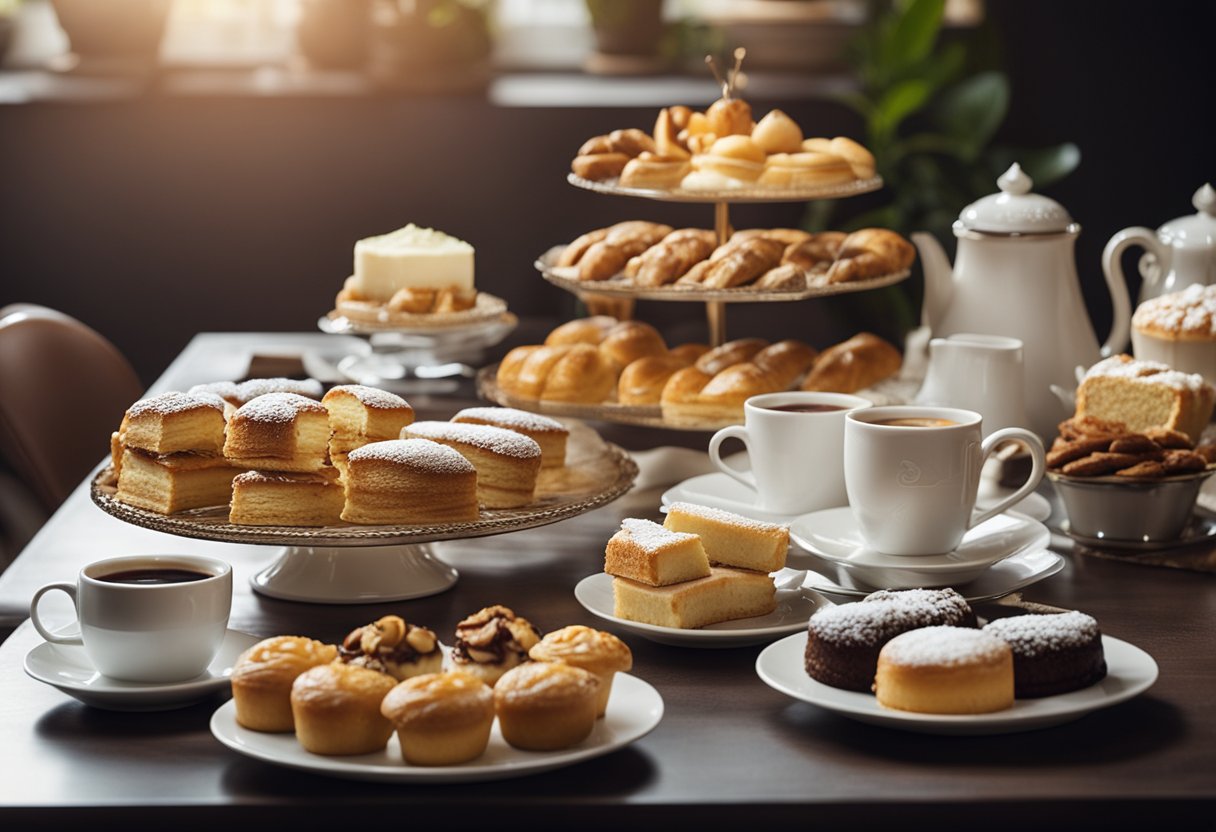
(729, 751)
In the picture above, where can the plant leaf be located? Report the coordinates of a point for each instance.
(973, 109)
(915, 33)
(899, 102)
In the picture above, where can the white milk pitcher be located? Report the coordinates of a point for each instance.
(984, 373)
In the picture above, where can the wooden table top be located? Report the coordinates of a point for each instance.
(729, 750)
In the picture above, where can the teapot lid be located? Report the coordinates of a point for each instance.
(1015, 210)
(1194, 230)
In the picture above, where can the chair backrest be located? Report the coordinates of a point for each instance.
(63, 390)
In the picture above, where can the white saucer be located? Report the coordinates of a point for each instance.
(1129, 672)
(720, 491)
(634, 709)
(833, 535)
(999, 580)
(68, 668)
(794, 609)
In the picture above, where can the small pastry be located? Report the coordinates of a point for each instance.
(667, 132)
(176, 422)
(742, 263)
(817, 145)
(725, 595)
(169, 483)
(574, 252)
(671, 258)
(507, 462)
(689, 353)
(581, 331)
(279, 432)
(785, 236)
(606, 258)
(409, 481)
(287, 498)
(393, 646)
(732, 352)
(817, 253)
(646, 552)
(730, 117)
(575, 373)
(778, 133)
(860, 159)
(454, 300)
(599, 166)
(852, 365)
(337, 709)
(709, 180)
(545, 706)
(642, 382)
(1052, 654)
(945, 670)
(492, 641)
(550, 434)
(248, 390)
(263, 675)
(786, 360)
(655, 172)
(359, 415)
(731, 539)
(442, 719)
(595, 651)
(784, 278)
(792, 170)
(733, 156)
(630, 340)
(871, 252)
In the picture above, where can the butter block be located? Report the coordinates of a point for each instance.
(411, 258)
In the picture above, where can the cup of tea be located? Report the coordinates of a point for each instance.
(147, 618)
(794, 442)
(912, 474)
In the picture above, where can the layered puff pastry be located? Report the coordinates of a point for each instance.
(649, 256)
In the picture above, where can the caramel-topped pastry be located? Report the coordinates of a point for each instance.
(550, 434)
(507, 462)
(263, 675)
(279, 432)
(442, 719)
(545, 706)
(359, 414)
(595, 651)
(393, 646)
(409, 481)
(175, 422)
(491, 641)
(336, 708)
(287, 498)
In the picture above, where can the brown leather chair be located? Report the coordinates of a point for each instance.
(63, 389)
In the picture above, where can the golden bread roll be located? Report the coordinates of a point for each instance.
(491, 641)
(858, 157)
(278, 432)
(442, 719)
(689, 353)
(871, 252)
(656, 172)
(606, 258)
(566, 373)
(359, 414)
(642, 382)
(734, 385)
(630, 340)
(595, 651)
(787, 360)
(817, 253)
(507, 462)
(581, 331)
(732, 352)
(509, 369)
(409, 481)
(545, 706)
(599, 166)
(263, 675)
(550, 434)
(670, 258)
(337, 709)
(274, 498)
(853, 365)
(778, 133)
(176, 422)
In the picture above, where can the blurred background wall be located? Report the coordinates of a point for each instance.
(220, 183)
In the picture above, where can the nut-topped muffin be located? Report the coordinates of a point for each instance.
(393, 646)
(491, 641)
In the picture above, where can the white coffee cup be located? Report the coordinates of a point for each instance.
(912, 488)
(797, 462)
(156, 631)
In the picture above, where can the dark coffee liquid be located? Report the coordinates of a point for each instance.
(805, 408)
(154, 575)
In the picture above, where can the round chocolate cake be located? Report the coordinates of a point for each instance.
(1052, 653)
(843, 642)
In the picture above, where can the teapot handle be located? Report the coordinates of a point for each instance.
(1112, 266)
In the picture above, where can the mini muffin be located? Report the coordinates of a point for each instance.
(393, 646)
(337, 709)
(491, 641)
(263, 675)
(442, 719)
(595, 651)
(545, 706)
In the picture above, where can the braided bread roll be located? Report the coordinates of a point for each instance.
(852, 365)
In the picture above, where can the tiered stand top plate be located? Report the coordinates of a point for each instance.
(564, 278)
(754, 193)
(596, 473)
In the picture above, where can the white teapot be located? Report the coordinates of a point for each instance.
(1015, 276)
(1179, 253)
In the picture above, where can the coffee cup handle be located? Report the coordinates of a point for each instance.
(715, 443)
(70, 589)
(1038, 465)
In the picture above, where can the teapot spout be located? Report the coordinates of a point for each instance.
(939, 284)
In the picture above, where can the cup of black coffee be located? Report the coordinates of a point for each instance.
(147, 618)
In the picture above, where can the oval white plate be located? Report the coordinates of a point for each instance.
(1129, 672)
(634, 709)
(67, 668)
(794, 609)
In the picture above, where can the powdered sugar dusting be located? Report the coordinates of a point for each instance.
(223, 389)
(488, 438)
(1034, 635)
(509, 417)
(422, 454)
(887, 612)
(254, 387)
(1189, 312)
(652, 537)
(174, 402)
(372, 397)
(948, 646)
(277, 407)
(721, 516)
(1147, 372)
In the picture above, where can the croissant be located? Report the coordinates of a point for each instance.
(817, 253)
(852, 365)
(871, 252)
(671, 258)
(785, 236)
(787, 360)
(742, 263)
(732, 352)
(606, 258)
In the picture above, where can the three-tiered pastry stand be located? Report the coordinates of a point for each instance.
(715, 300)
(348, 564)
